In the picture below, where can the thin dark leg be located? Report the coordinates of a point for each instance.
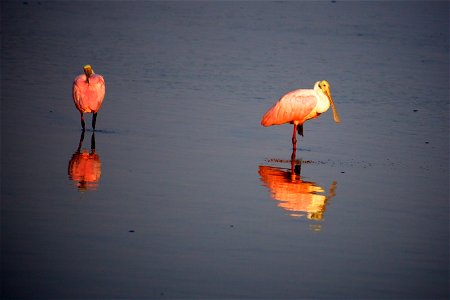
(82, 121)
(94, 119)
(294, 138)
(295, 169)
(80, 144)
(93, 142)
(293, 162)
(300, 129)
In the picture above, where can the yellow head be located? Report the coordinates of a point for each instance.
(88, 70)
(325, 87)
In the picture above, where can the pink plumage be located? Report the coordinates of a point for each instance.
(295, 106)
(88, 96)
(88, 91)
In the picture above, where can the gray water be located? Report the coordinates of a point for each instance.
(187, 196)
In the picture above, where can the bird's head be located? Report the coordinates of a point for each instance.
(88, 71)
(325, 88)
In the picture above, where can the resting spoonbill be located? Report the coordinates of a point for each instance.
(88, 91)
(298, 106)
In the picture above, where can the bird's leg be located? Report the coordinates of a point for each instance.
(293, 162)
(80, 144)
(300, 129)
(82, 121)
(93, 142)
(294, 138)
(94, 119)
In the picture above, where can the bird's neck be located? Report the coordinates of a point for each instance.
(323, 103)
(89, 76)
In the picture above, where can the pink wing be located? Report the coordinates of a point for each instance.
(77, 91)
(88, 97)
(294, 106)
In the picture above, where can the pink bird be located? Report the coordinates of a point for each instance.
(88, 91)
(298, 106)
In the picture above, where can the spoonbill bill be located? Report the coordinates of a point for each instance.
(88, 91)
(298, 106)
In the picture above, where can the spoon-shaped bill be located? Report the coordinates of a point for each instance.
(336, 116)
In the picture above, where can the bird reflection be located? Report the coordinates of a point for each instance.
(85, 166)
(297, 196)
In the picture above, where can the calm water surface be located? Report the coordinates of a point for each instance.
(181, 193)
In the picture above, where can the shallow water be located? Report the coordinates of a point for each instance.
(184, 194)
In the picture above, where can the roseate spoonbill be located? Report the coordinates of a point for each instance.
(88, 91)
(298, 106)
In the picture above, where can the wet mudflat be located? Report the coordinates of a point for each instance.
(181, 193)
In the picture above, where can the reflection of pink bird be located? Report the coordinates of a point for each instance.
(88, 91)
(298, 106)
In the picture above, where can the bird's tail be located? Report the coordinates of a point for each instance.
(300, 129)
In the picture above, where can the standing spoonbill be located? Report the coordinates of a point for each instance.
(88, 91)
(298, 106)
